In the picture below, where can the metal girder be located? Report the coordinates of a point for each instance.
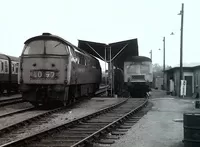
(96, 52)
(119, 52)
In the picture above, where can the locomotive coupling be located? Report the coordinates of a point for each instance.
(24, 87)
(59, 88)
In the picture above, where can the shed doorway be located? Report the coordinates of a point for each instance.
(188, 86)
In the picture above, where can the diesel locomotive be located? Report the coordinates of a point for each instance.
(9, 67)
(138, 75)
(54, 70)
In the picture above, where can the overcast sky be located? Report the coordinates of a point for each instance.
(105, 21)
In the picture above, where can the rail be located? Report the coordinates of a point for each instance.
(20, 142)
(10, 101)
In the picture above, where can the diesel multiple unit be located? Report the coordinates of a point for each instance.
(9, 66)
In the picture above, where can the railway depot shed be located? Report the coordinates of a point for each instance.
(114, 54)
(190, 74)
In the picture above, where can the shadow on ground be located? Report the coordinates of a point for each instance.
(178, 144)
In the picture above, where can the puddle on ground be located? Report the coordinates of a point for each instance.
(178, 120)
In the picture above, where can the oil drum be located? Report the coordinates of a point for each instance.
(191, 124)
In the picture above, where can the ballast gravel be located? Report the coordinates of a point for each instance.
(14, 107)
(162, 126)
(80, 110)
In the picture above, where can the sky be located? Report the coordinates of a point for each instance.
(105, 21)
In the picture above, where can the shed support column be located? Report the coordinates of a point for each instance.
(110, 71)
(105, 74)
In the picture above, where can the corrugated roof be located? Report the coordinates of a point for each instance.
(185, 66)
(193, 64)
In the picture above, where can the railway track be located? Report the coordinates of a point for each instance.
(101, 91)
(28, 116)
(33, 115)
(19, 100)
(121, 128)
(80, 131)
(16, 112)
(10, 101)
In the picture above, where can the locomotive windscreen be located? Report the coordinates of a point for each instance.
(145, 67)
(53, 47)
(137, 71)
(139, 68)
(133, 69)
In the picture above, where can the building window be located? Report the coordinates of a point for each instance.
(197, 79)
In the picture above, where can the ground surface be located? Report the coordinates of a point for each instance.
(10, 97)
(79, 110)
(162, 126)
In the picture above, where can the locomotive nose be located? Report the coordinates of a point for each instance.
(43, 70)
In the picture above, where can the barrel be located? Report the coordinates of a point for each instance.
(191, 124)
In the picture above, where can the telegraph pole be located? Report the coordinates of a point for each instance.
(181, 47)
(164, 63)
(151, 55)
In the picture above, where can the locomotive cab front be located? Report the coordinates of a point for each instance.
(138, 75)
(44, 69)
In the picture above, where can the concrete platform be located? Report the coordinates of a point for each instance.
(162, 126)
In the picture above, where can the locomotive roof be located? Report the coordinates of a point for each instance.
(46, 36)
(138, 58)
(2, 56)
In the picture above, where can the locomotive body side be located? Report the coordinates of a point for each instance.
(85, 74)
(52, 69)
(138, 75)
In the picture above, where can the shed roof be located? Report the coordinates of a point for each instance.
(175, 68)
(119, 50)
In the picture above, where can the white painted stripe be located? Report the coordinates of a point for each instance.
(162, 98)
